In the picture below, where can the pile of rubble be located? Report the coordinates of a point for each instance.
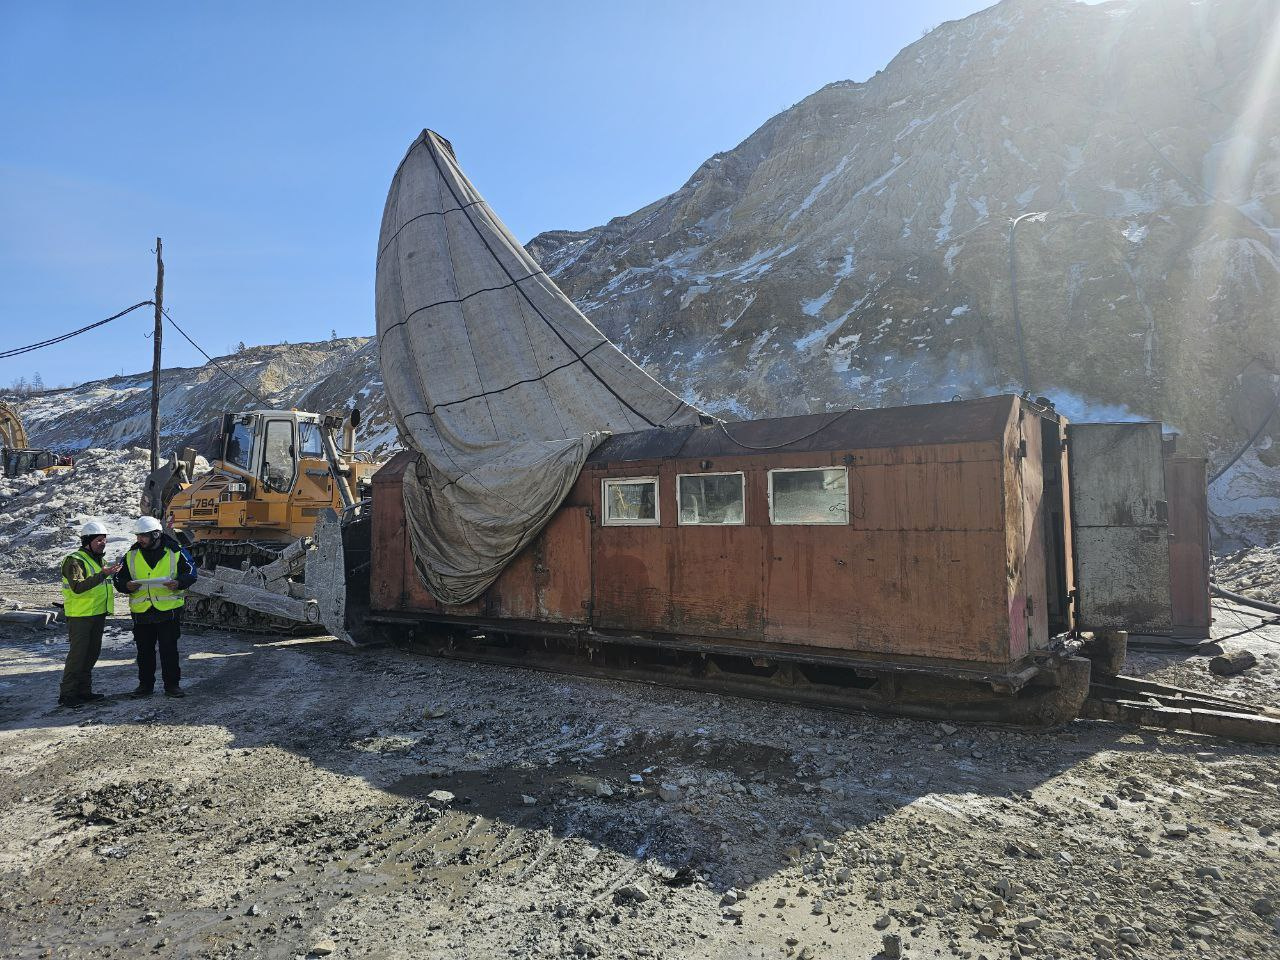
(1253, 571)
(39, 514)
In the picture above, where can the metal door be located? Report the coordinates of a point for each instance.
(1120, 527)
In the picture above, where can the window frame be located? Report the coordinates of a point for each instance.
(250, 423)
(742, 478)
(844, 522)
(606, 482)
(318, 428)
(292, 477)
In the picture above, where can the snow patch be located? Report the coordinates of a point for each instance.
(948, 211)
(807, 202)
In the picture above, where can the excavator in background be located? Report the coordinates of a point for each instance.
(265, 523)
(17, 457)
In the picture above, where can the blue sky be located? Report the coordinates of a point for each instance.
(259, 139)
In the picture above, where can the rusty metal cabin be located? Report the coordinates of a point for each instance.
(930, 537)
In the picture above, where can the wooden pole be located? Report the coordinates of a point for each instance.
(155, 362)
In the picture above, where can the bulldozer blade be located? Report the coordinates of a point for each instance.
(326, 575)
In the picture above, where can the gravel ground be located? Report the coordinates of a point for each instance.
(311, 799)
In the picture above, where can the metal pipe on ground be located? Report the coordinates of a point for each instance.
(1241, 599)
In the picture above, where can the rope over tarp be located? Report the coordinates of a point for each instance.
(497, 381)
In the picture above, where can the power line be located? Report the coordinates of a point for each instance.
(18, 351)
(1247, 444)
(223, 370)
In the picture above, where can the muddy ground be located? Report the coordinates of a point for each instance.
(311, 799)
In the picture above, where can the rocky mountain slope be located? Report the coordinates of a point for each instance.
(116, 412)
(856, 249)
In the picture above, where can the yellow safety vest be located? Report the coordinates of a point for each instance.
(155, 595)
(91, 603)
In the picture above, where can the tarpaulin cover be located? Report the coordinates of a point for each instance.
(496, 379)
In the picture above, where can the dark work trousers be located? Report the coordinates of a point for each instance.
(147, 636)
(85, 635)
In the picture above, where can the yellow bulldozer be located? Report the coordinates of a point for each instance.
(265, 523)
(16, 457)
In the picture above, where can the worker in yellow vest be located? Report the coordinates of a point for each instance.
(87, 599)
(156, 572)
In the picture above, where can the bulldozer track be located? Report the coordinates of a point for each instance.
(240, 623)
(212, 613)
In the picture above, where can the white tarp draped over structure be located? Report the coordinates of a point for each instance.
(496, 379)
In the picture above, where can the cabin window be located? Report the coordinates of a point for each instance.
(633, 501)
(809, 496)
(277, 461)
(310, 444)
(711, 499)
(240, 444)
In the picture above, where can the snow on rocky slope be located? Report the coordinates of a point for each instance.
(40, 515)
(325, 376)
(855, 250)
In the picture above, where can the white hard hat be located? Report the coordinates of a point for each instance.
(93, 529)
(147, 525)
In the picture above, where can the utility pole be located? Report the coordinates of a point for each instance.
(155, 362)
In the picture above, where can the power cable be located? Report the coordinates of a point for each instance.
(18, 351)
(1248, 630)
(1247, 444)
(223, 370)
(1242, 600)
(784, 443)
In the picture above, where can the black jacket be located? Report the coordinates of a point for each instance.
(186, 577)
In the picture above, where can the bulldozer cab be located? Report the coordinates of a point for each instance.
(18, 462)
(267, 447)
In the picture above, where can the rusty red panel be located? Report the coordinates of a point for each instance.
(914, 593)
(514, 594)
(632, 578)
(958, 495)
(551, 578)
(563, 570)
(387, 567)
(1187, 491)
(715, 583)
